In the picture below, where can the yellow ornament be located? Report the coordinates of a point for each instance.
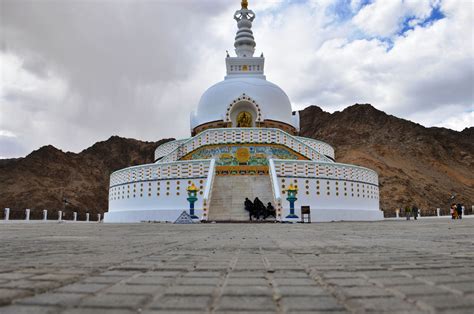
(242, 155)
(192, 187)
(292, 188)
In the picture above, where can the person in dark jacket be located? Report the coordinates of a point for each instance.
(459, 210)
(249, 207)
(259, 208)
(270, 211)
(414, 211)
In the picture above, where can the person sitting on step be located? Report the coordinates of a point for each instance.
(249, 207)
(270, 211)
(259, 208)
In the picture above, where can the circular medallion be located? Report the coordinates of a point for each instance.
(242, 154)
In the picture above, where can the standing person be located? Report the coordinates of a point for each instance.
(414, 210)
(407, 212)
(459, 210)
(453, 211)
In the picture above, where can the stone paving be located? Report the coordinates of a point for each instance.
(391, 266)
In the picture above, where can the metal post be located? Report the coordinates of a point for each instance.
(463, 210)
(45, 215)
(60, 215)
(438, 210)
(397, 213)
(7, 213)
(87, 216)
(419, 213)
(98, 217)
(27, 212)
(74, 216)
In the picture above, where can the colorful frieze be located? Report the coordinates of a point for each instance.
(244, 154)
(241, 170)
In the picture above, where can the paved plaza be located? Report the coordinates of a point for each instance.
(425, 266)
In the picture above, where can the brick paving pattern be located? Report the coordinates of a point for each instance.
(392, 266)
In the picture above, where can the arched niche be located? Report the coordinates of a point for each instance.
(241, 108)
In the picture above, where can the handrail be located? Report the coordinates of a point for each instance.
(182, 146)
(318, 142)
(144, 175)
(160, 164)
(208, 189)
(274, 180)
(275, 186)
(369, 172)
(210, 179)
(160, 151)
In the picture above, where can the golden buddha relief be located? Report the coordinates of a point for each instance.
(244, 120)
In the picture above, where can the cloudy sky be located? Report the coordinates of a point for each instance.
(78, 71)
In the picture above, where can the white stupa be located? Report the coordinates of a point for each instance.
(244, 143)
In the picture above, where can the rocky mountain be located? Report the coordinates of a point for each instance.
(45, 177)
(415, 164)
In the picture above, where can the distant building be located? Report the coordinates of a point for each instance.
(244, 143)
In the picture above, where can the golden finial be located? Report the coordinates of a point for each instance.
(245, 4)
(192, 187)
(292, 188)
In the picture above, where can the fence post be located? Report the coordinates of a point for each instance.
(87, 216)
(7, 213)
(438, 212)
(45, 214)
(74, 216)
(27, 212)
(60, 215)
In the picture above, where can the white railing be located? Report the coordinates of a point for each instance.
(208, 189)
(245, 135)
(168, 147)
(274, 181)
(275, 187)
(322, 170)
(172, 170)
(320, 146)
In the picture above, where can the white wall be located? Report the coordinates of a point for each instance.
(153, 195)
(336, 200)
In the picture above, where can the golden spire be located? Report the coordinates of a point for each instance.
(245, 4)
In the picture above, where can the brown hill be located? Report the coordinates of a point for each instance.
(43, 178)
(415, 164)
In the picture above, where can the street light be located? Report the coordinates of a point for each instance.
(292, 191)
(192, 198)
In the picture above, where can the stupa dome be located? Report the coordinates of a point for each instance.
(271, 101)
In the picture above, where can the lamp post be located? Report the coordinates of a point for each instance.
(192, 198)
(292, 191)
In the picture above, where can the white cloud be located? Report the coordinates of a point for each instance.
(137, 69)
(385, 18)
(6, 133)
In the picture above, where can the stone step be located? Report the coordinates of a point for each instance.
(229, 193)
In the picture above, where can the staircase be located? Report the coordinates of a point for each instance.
(229, 193)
